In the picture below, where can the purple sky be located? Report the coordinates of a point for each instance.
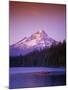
(28, 18)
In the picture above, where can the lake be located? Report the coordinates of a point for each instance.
(27, 77)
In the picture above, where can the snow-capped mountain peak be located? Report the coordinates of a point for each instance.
(35, 39)
(39, 34)
(38, 40)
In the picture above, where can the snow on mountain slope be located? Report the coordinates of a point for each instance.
(36, 41)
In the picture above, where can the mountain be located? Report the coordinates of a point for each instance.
(36, 41)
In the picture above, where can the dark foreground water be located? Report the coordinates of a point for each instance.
(36, 78)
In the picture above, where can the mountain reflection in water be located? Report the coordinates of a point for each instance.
(37, 79)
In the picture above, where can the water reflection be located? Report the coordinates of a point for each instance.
(40, 79)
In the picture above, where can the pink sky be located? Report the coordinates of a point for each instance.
(28, 18)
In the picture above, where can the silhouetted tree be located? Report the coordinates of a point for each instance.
(53, 56)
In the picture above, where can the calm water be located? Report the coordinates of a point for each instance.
(36, 77)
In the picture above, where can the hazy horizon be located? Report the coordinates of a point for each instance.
(28, 18)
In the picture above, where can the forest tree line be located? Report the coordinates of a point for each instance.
(54, 56)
